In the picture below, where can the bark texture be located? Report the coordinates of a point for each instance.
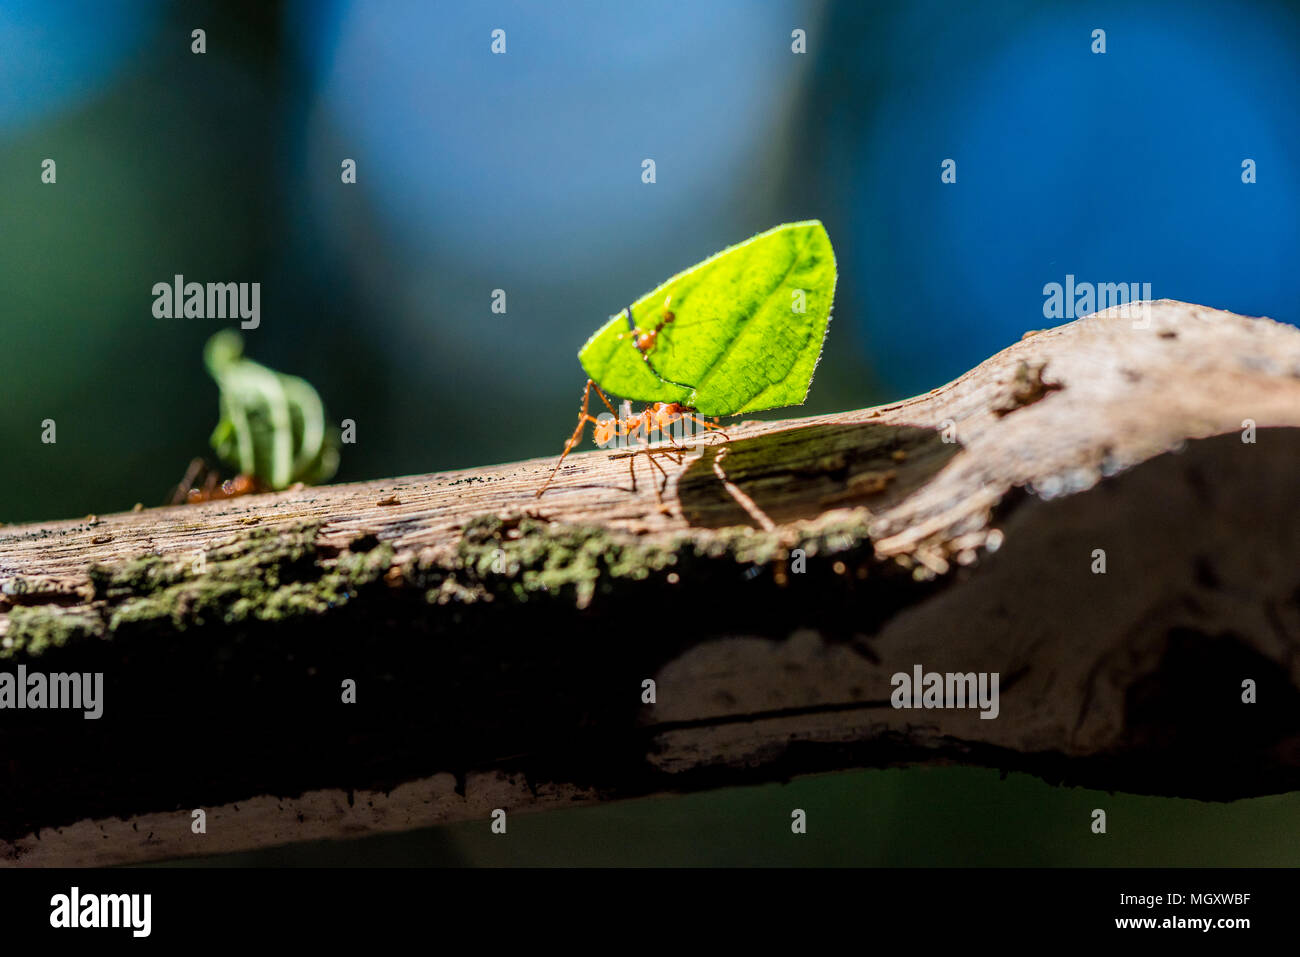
(500, 644)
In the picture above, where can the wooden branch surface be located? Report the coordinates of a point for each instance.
(499, 643)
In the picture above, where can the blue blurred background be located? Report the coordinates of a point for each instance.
(522, 172)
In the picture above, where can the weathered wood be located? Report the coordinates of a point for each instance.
(499, 642)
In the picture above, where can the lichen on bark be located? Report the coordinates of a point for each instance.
(265, 575)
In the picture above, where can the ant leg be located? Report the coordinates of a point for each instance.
(208, 491)
(180, 493)
(708, 426)
(633, 329)
(592, 385)
(664, 426)
(659, 488)
(680, 450)
(583, 418)
(643, 425)
(668, 341)
(654, 485)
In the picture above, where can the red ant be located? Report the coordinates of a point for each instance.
(189, 492)
(645, 341)
(656, 417)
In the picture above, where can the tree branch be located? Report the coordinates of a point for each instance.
(499, 643)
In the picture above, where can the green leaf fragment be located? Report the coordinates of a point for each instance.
(272, 425)
(747, 333)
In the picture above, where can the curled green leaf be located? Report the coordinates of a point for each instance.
(272, 425)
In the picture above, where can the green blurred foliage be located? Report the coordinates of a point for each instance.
(272, 425)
